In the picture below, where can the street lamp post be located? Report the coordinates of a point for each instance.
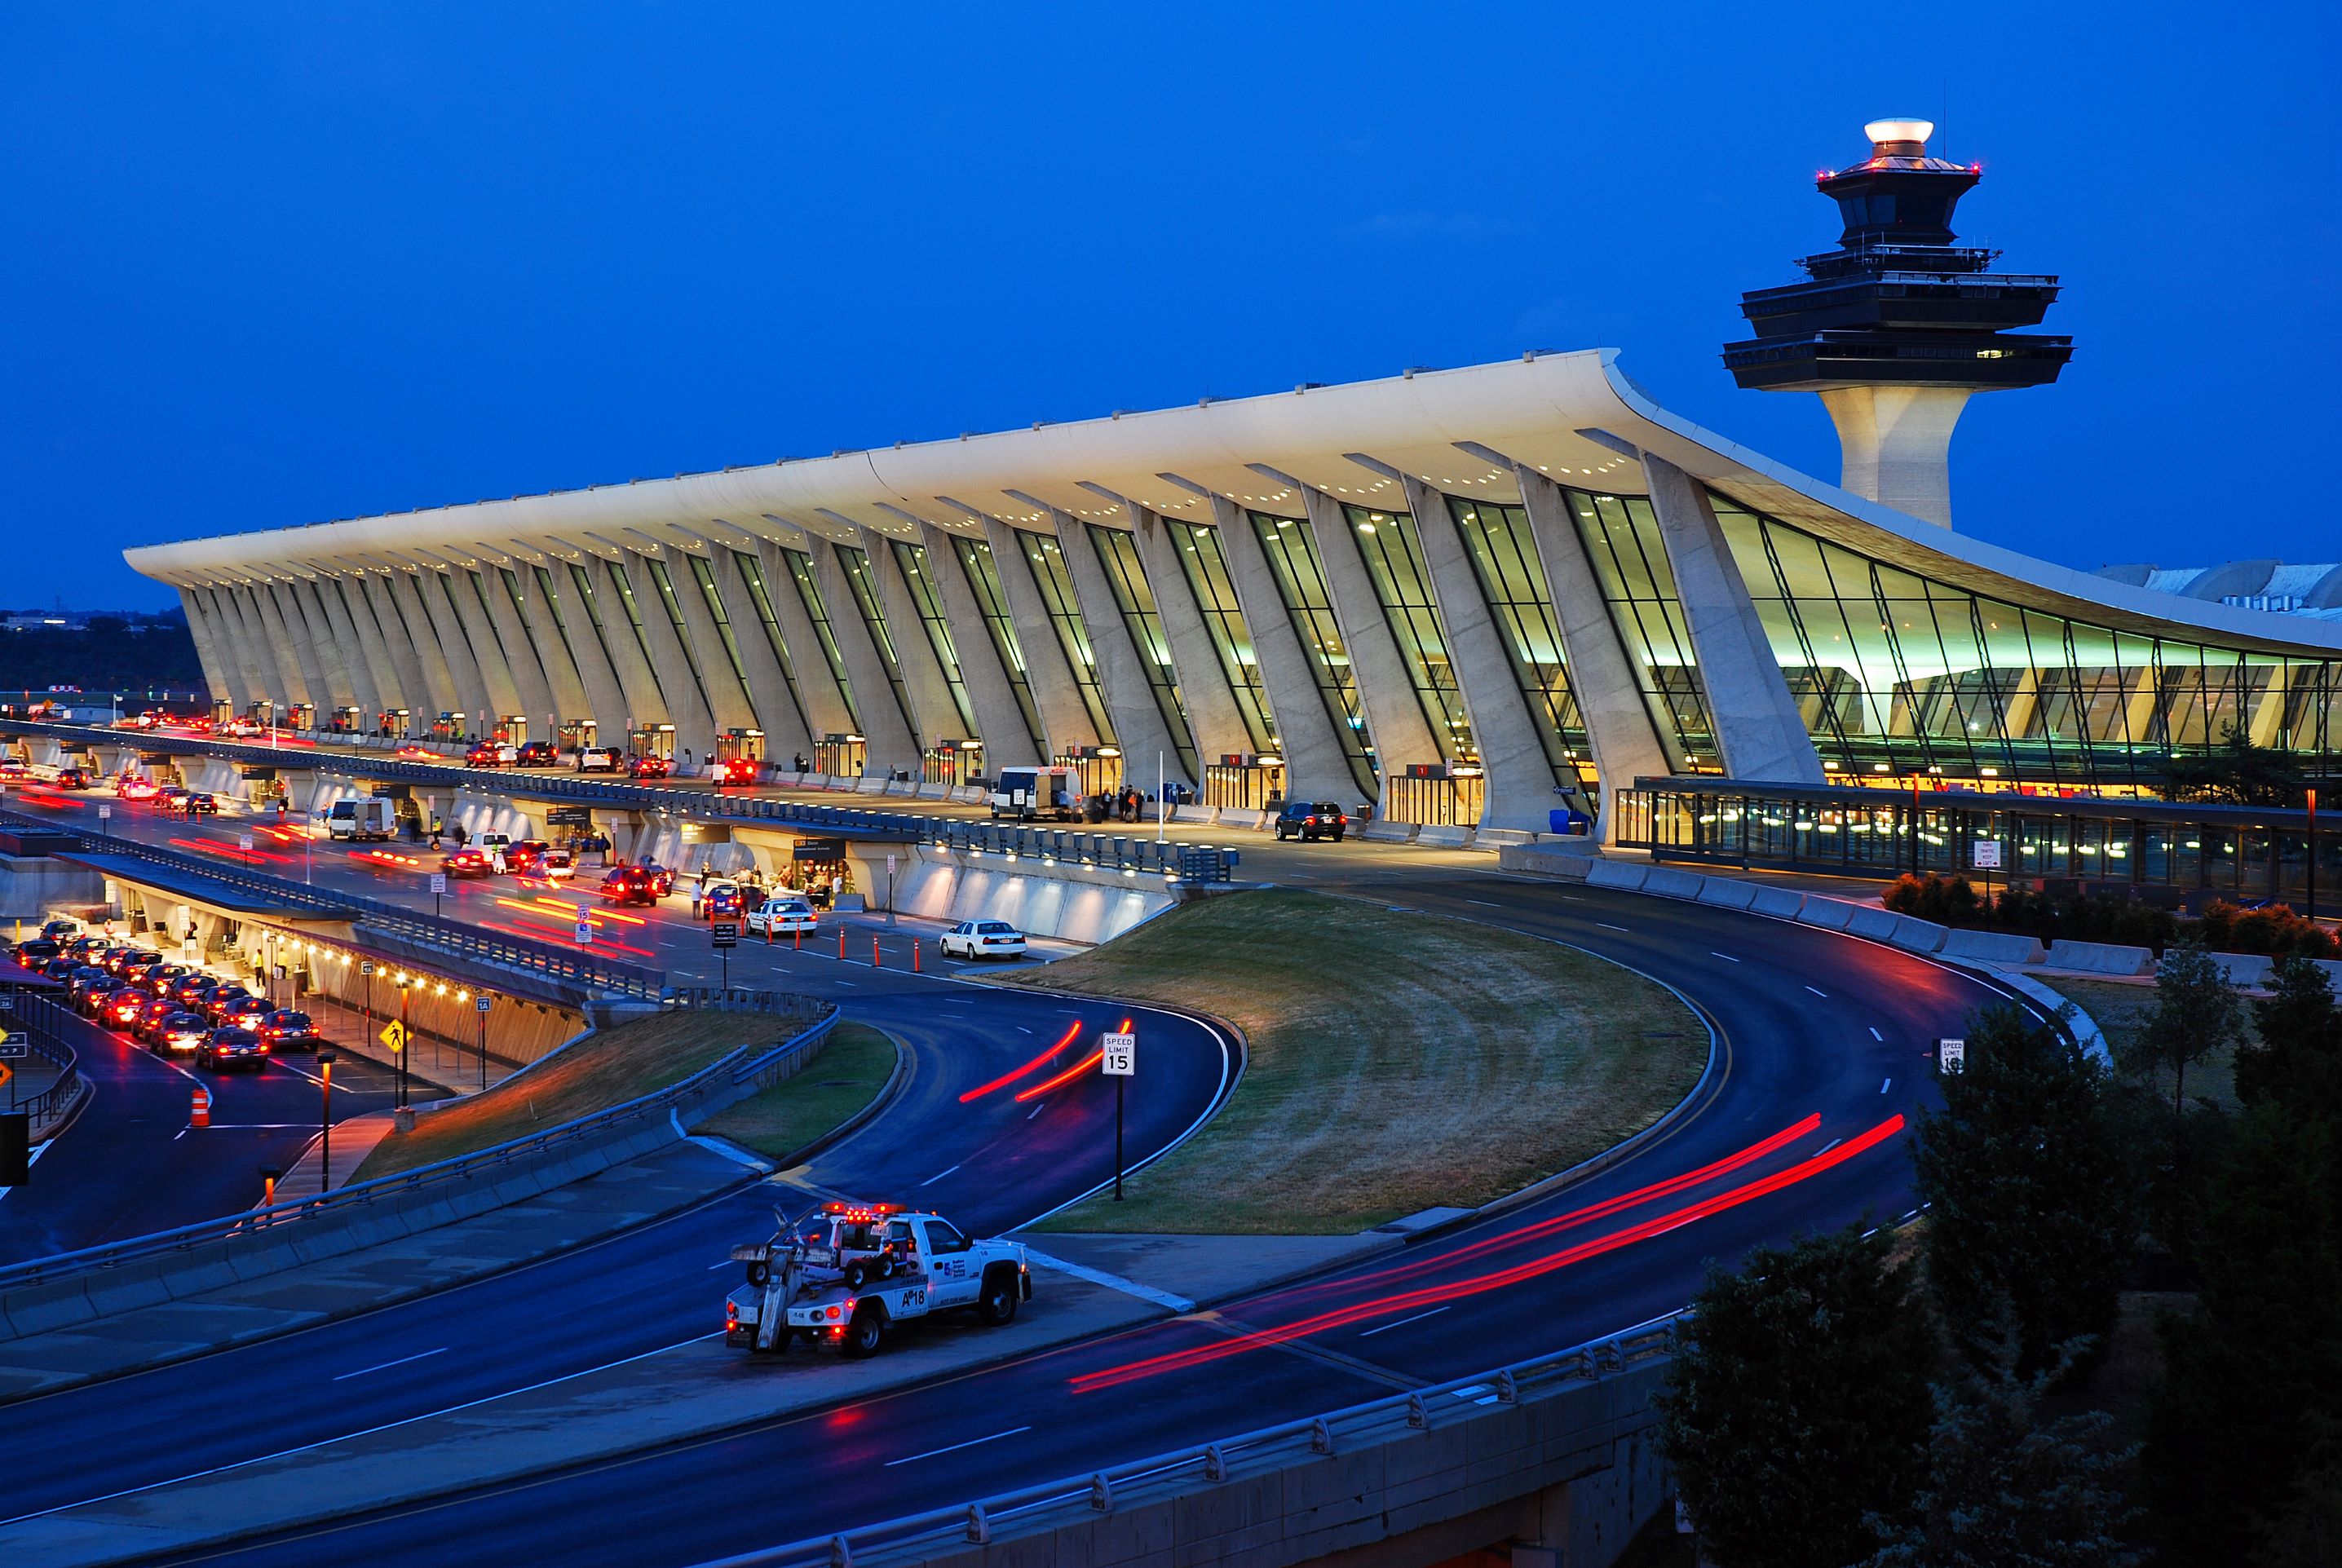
(401, 1054)
(325, 1124)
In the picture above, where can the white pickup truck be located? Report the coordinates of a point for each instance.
(865, 1269)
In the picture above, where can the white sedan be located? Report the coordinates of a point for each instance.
(974, 939)
(780, 917)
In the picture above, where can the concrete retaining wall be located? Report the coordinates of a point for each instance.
(1994, 947)
(1079, 904)
(2100, 958)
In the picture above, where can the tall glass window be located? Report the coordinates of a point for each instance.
(624, 583)
(447, 592)
(704, 570)
(560, 626)
(480, 595)
(1117, 552)
(1055, 581)
(1511, 580)
(663, 581)
(864, 589)
(752, 577)
(584, 586)
(913, 559)
(1388, 543)
(1207, 566)
(984, 581)
(1622, 541)
(1291, 546)
(520, 614)
(1901, 675)
(800, 566)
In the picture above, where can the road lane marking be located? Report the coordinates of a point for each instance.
(1402, 1323)
(1874, 1035)
(1036, 1110)
(1888, 1084)
(1712, 953)
(1826, 1148)
(1818, 992)
(1484, 904)
(955, 1448)
(402, 1360)
(1022, 1029)
(1112, 1281)
(1607, 926)
(939, 1175)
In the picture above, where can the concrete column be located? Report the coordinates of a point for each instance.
(292, 681)
(1212, 710)
(466, 681)
(1122, 675)
(1895, 443)
(694, 724)
(932, 707)
(768, 689)
(222, 674)
(998, 719)
(892, 743)
(638, 684)
(265, 674)
(1316, 761)
(728, 704)
(1517, 772)
(325, 598)
(1057, 691)
(1386, 686)
(561, 688)
(827, 711)
(1757, 727)
(422, 665)
(348, 607)
(1602, 676)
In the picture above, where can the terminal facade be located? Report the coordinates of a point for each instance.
(1468, 597)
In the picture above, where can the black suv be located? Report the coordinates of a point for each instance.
(1312, 820)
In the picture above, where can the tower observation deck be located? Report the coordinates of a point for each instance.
(1900, 324)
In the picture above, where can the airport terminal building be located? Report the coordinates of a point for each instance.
(1465, 597)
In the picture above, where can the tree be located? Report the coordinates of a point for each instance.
(2254, 1373)
(2236, 772)
(1800, 1407)
(2299, 1057)
(2032, 1212)
(2196, 1012)
(2004, 1487)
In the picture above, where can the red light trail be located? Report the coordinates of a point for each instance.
(1075, 1071)
(1072, 1029)
(1438, 1296)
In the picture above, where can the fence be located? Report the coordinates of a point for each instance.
(36, 1020)
(941, 1533)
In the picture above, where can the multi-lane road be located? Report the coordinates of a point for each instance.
(1821, 1058)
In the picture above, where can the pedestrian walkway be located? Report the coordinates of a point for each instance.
(352, 1142)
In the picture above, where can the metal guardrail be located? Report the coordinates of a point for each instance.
(44, 1040)
(741, 1063)
(948, 1530)
(428, 931)
(740, 999)
(1137, 854)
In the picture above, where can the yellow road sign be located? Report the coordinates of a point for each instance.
(394, 1035)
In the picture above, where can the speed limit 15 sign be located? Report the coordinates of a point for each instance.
(1118, 1055)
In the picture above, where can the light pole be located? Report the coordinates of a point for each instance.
(2311, 866)
(400, 1052)
(481, 1006)
(325, 1124)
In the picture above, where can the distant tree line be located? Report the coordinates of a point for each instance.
(112, 653)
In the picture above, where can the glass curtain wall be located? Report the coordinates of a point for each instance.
(1055, 583)
(560, 626)
(864, 589)
(1388, 543)
(584, 585)
(1117, 553)
(1291, 546)
(913, 559)
(1207, 566)
(480, 595)
(1512, 581)
(527, 628)
(983, 574)
(663, 581)
(1621, 535)
(1901, 675)
(800, 566)
(752, 577)
(447, 593)
(704, 570)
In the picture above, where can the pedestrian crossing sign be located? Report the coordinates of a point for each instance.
(394, 1035)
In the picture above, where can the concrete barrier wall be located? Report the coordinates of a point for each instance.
(1994, 947)
(2245, 968)
(2100, 958)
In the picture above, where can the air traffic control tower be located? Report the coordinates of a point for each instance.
(1900, 324)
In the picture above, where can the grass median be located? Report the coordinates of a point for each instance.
(606, 1068)
(853, 1066)
(1398, 1061)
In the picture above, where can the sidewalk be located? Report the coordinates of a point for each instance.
(352, 1142)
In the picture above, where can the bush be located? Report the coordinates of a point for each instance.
(2274, 929)
(1946, 899)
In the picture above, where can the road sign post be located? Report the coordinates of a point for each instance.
(890, 889)
(1951, 1055)
(1119, 1060)
(725, 935)
(438, 886)
(481, 1005)
(1985, 854)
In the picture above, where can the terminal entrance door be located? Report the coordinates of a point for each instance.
(577, 734)
(262, 712)
(742, 745)
(1435, 794)
(1097, 768)
(652, 740)
(349, 721)
(953, 762)
(398, 723)
(305, 716)
(819, 868)
(511, 729)
(840, 756)
(452, 727)
(1246, 783)
(222, 710)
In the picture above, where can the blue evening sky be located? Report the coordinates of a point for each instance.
(274, 263)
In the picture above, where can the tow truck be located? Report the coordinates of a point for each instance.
(863, 1270)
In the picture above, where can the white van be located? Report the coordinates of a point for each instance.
(361, 820)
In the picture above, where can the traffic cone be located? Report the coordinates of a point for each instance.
(202, 1116)
(873, 953)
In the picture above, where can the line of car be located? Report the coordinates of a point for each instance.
(173, 1009)
(597, 760)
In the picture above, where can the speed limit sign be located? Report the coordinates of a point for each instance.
(1118, 1055)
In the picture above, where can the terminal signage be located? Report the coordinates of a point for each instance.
(1986, 852)
(726, 932)
(570, 816)
(818, 849)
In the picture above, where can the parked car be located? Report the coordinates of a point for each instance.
(650, 767)
(233, 1046)
(723, 901)
(597, 760)
(73, 778)
(631, 884)
(1312, 820)
(491, 754)
(538, 754)
(736, 771)
(288, 1029)
(784, 915)
(201, 802)
(975, 939)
